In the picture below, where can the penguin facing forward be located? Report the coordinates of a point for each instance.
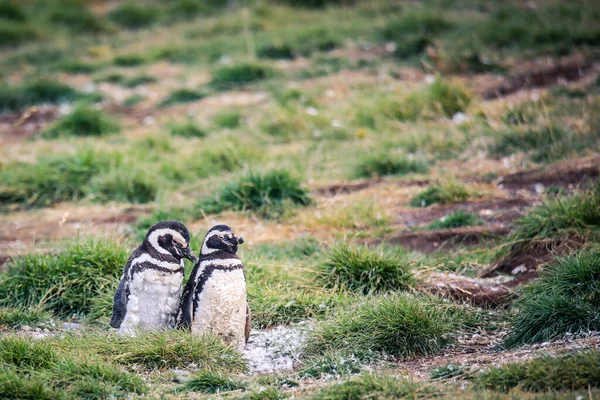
(149, 292)
(214, 299)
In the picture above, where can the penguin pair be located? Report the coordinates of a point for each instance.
(214, 298)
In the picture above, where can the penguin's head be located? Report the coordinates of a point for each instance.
(170, 237)
(221, 237)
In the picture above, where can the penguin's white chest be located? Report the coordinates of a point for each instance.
(153, 301)
(222, 307)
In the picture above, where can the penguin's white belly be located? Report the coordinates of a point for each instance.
(153, 301)
(222, 307)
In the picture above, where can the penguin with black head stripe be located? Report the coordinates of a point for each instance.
(149, 292)
(214, 299)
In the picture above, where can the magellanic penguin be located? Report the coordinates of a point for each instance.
(214, 298)
(149, 293)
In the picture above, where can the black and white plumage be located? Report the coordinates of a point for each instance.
(214, 299)
(149, 292)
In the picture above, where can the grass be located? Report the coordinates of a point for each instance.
(240, 75)
(456, 219)
(41, 369)
(386, 164)
(449, 192)
(266, 194)
(361, 270)
(375, 386)
(15, 318)
(129, 60)
(182, 96)
(188, 130)
(212, 382)
(574, 217)
(10, 10)
(72, 277)
(399, 325)
(565, 299)
(134, 16)
(229, 119)
(75, 17)
(544, 144)
(577, 371)
(333, 364)
(160, 351)
(34, 92)
(138, 80)
(13, 34)
(82, 121)
(126, 184)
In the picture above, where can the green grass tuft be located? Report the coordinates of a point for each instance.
(134, 16)
(75, 17)
(16, 318)
(578, 371)
(410, 24)
(35, 92)
(565, 299)
(565, 218)
(13, 33)
(72, 277)
(126, 184)
(129, 60)
(456, 219)
(450, 192)
(182, 96)
(240, 75)
(377, 387)
(83, 121)
(266, 194)
(400, 325)
(212, 382)
(187, 129)
(364, 271)
(229, 119)
(10, 10)
(386, 164)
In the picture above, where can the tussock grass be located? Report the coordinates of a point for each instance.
(362, 270)
(334, 364)
(269, 393)
(73, 277)
(565, 299)
(240, 75)
(83, 121)
(16, 33)
(78, 67)
(543, 144)
(187, 129)
(35, 92)
(15, 318)
(266, 194)
(448, 192)
(57, 374)
(423, 22)
(138, 80)
(75, 17)
(578, 371)
(182, 96)
(229, 119)
(10, 10)
(17, 386)
(374, 386)
(160, 350)
(134, 16)
(129, 60)
(386, 164)
(50, 180)
(574, 217)
(212, 382)
(400, 325)
(282, 305)
(126, 184)
(133, 100)
(456, 219)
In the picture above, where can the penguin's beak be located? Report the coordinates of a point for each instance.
(187, 253)
(240, 240)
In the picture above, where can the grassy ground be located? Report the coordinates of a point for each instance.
(416, 183)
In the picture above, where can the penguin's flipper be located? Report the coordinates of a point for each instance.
(119, 305)
(248, 322)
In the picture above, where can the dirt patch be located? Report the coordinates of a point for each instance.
(532, 258)
(443, 239)
(24, 124)
(540, 74)
(482, 292)
(563, 174)
(494, 211)
(357, 186)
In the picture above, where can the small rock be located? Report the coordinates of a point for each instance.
(181, 376)
(460, 118)
(26, 328)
